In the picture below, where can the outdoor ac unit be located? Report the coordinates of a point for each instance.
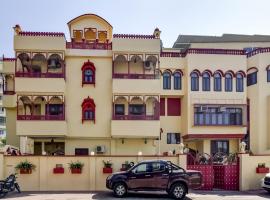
(222, 109)
(148, 65)
(100, 149)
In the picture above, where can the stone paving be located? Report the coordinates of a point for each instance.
(197, 195)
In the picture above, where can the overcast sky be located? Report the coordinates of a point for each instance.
(173, 17)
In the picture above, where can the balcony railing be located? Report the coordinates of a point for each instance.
(135, 76)
(40, 117)
(40, 75)
(89, 45)
(135, 117)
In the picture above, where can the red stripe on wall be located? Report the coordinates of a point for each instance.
(162, 106)
(174, 107)
(213, 136)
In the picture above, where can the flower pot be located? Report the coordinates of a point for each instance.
(25, 171)
(262, 170)
(76, 171)
(107, 170)
(58, 170)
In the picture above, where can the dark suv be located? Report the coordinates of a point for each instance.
(155, 175)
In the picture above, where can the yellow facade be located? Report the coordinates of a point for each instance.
(105, 93)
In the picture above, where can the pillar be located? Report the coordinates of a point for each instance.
(182, 161)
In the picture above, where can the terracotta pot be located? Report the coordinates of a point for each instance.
(262, 170)
(76, 171)
(107, 170)
(25, 171)
(58, 170)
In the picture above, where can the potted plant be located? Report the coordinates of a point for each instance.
(107, 169)
(127, 165)
(25, 167)
(262, 169)
(59, 169)
(76, 167)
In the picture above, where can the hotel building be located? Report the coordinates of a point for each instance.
(120, 94)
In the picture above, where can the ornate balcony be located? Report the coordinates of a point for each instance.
(136, 117)
(89, 45)
(135, 76)
(39, 75)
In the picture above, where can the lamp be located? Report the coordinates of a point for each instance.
(139, 153)
(145, 141)
(92, 153)
(123, 141)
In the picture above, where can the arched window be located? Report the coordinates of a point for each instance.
(88, 73)
(217, 82)
(239, 82)
(252, 76)
(206, 81)
(228, 82)
(194, 81)
(166, 81)
(88, 110)
(177, 80)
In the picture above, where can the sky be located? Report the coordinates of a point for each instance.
(172, 17)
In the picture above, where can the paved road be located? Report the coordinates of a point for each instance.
(198, 195)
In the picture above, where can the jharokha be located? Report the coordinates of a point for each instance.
(124, 94)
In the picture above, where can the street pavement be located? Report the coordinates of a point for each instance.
(193, 195)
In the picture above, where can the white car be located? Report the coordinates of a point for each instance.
(265, 183)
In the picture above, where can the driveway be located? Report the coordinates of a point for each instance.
(194, 195)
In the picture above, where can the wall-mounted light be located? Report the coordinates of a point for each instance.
(92, 153)
(123, 141)
(145, 141)
(139, 153)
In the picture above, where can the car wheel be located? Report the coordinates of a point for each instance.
(178, 191)
(120, 190)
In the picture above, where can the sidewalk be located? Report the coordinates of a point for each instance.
(194, 195)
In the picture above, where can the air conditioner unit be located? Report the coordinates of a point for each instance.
(222, 109)
(100, 149)
(148, 65)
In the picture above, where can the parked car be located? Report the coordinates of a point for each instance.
(155, 175)
(266, 182)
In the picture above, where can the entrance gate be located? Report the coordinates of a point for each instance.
(219, 171)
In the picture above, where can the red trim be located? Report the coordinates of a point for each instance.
(208, 71)
(231, 72)
(89, 45)
(196, 71)
(213, 136)
(52, 34)
(172, 54)
(241, 72)
(257, 51)
(9, 59)
(178, 70)
(91, 66)
(253, 68)
(216, 51)
(219, 71)
(88, 104)
(134, 36)
(88, 14)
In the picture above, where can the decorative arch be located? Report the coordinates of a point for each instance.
(208, 71)
(219, 71)
(178, 71)
(252, 70)
(88, 110)
(230, 72)
(55, 62)
(166, 78)
(267, 67)
(88, 73)
(196, 71)
(167, 70)
(241, 72)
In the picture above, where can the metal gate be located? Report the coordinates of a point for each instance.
(220, 171)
